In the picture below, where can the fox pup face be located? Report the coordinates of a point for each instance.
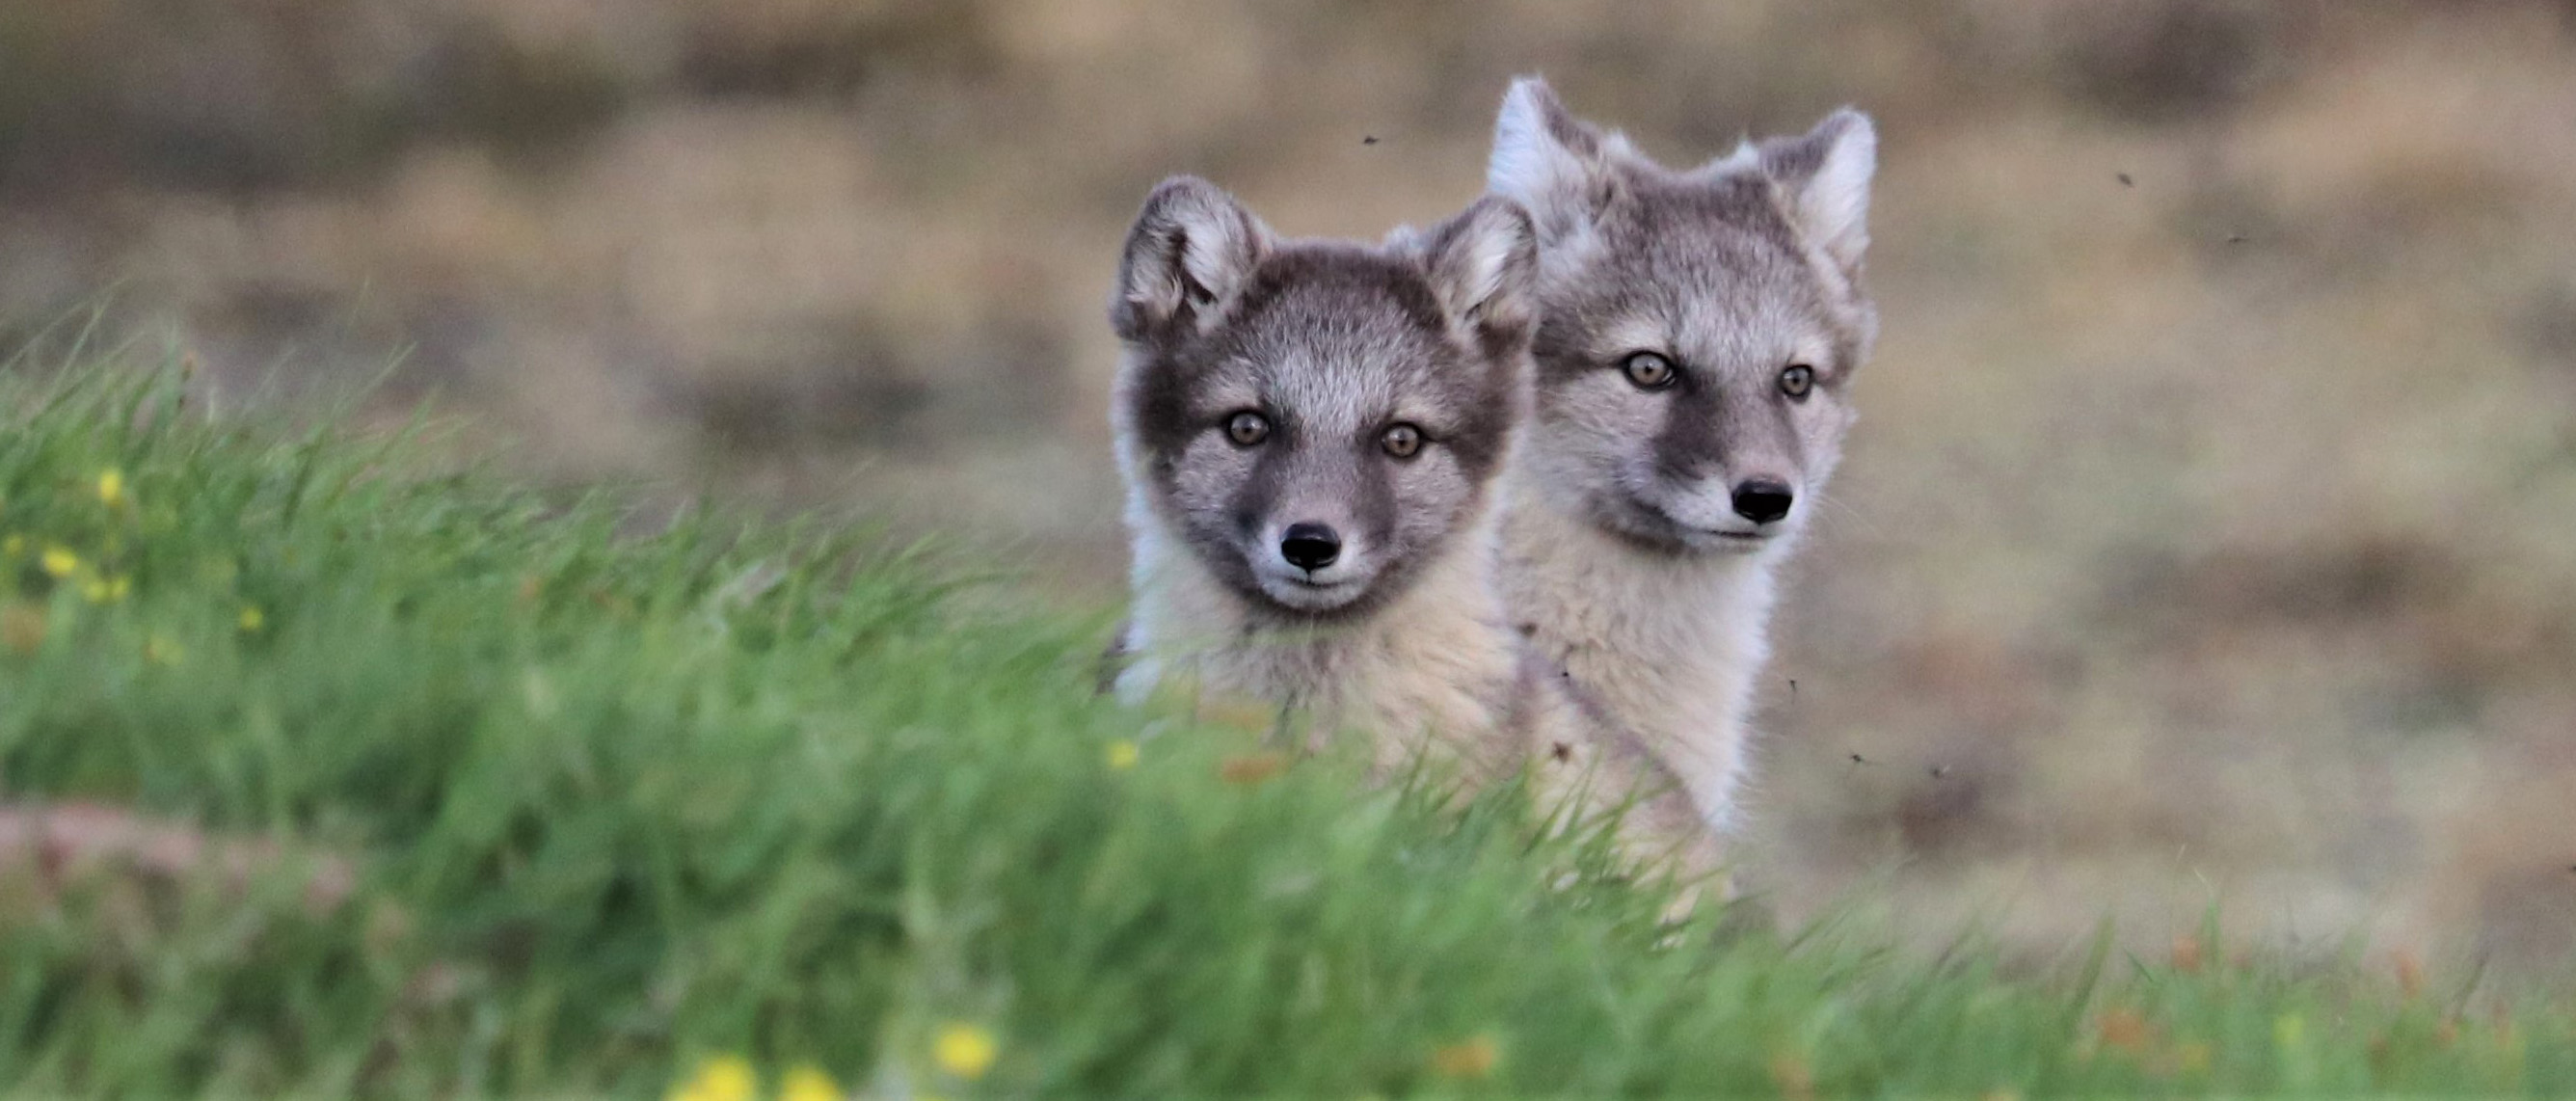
(1318, 420)
(1699, 329)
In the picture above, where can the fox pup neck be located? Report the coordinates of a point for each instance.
(1669, 644)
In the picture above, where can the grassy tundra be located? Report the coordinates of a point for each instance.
(323, 774)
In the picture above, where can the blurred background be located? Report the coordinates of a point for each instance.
(2209, 536)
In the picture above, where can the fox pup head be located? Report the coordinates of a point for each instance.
(1698, 329)
(1318, 420)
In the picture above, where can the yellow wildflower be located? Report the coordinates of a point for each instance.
(111, 487)
(966, 1051)
(722, 1078)
(252, 619)
(1473, 1058)
(60, 561)
(807, 1082)
(106, 590)
(1122, 755)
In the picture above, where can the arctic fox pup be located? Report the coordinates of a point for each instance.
(1698, 332)
(1310, 432)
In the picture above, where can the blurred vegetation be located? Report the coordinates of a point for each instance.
(2211, 528)
(485, 798)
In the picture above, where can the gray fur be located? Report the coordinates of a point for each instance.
(1624, 550)
(1331, 344)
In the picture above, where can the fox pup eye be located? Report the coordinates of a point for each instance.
(1796, 380)
(1403, 441)
(1247, 428)
(1648, 371)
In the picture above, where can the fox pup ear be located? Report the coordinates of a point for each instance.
(1483, 265)
(1553, 164)
(1192, 247)
(1825, 175)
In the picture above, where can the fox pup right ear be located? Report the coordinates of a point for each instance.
(1483, 264)
(1825, 175)
(1191, 248)
(1553, 164)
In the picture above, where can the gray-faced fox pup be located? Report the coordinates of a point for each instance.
(1310, 432)
(1698, 331)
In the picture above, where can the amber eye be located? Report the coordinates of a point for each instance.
(1403, 441)
(1648, 371)
(1247, 428)
(1797, 379)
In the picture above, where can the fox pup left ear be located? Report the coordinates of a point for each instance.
(1191, 248)
(1825, 176)
(1483, 264)
(1556, 166)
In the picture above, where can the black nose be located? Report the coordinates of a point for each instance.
(1762, 501)
(1310, 547)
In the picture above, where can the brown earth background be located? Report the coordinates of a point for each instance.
(2209, 536)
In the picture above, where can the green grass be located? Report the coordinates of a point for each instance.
(617, 803)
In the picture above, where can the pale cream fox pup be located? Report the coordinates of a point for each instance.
(1698, 332)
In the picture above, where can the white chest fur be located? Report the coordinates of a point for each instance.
(1668, 646)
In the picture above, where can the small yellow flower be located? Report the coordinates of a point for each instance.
(111, 487)
(807, 1082)
(1122, 755)
(60, 561)
(966, 1051)
(106, 590)
(252, 619)
(722, 1078)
